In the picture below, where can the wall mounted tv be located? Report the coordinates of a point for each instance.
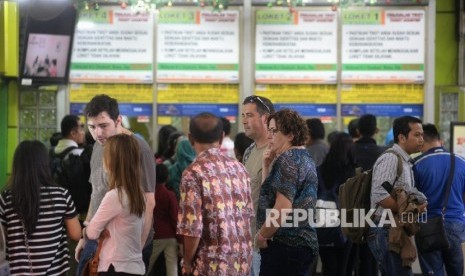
(47, 47)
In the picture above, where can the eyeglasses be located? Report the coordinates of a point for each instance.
(273, 131)
(253, 100)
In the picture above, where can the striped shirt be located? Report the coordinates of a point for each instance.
(47, 245)
(385, 169)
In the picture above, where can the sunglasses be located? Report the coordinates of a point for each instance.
(254, 100)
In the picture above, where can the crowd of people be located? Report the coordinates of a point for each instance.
(205, 204)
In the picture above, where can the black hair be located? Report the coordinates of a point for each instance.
(55, 138)
(30, 171)
(337, 160)
(316, 128)
(431, 133)
(102, 103)
(68, 123)
(401, 125)
(241, 143)
(206, 128)
(263, 104)
(226, 126)
(170, 149)
(163, 135)
(162, 173)
(353, 128)
(367, 125)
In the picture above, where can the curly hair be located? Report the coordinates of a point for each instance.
(289, 122)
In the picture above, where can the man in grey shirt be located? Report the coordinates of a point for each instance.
(408, 138)
(104, 121)
(256, 110)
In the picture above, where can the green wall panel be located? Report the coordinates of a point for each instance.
(3, 133)
(445, 5)
(446, 50)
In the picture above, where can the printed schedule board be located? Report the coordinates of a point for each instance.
(113, 45)
(298, 47)
(196, 46)
(383, 46)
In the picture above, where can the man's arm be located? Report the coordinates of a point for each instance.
(190, 247)
(149, 205)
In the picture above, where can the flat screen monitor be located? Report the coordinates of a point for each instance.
(47, 48)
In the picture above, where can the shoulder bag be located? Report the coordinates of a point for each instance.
(432, 235)
(91, 266)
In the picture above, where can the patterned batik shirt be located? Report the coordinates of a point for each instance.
(216, 207)
(293, 174)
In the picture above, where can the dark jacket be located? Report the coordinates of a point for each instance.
(365, 152)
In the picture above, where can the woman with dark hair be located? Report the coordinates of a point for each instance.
(336, 168)
(170, 150)
(37, 215)
(289, 185)
(163, 135)
(122, 209)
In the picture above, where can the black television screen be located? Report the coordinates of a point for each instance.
(47, 47)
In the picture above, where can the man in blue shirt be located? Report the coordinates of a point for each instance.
(431, 172)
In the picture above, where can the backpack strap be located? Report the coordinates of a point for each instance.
(399, 165)
(64, 153)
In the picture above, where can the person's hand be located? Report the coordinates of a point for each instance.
(186, 268)
(268, 156)
(422, 207)
(260, 242)
(79, 248)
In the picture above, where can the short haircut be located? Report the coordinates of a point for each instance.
(68, 123)
(367, 125)
(206, 128)
(102, 103)
(226, 126)
(353, 128)
(161, 173)
(264, 105)
(316, 128)
(431, 133)
(289, 122)
(401, 125)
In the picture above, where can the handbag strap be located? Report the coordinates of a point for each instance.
(449, 182)
(102, 237)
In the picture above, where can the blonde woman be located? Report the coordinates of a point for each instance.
(122, 209)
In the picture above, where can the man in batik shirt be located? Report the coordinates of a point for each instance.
(215, 208)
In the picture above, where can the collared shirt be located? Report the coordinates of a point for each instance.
(385, 169)
(216, 207)
(431, 171)
(253, 162)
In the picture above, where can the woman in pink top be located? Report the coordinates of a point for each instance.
(122, 209)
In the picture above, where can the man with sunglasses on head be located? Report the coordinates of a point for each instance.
(255, 112)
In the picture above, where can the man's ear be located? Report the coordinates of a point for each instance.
(376, 130)
(265, 118)
(222, 137)
(119, 121)
(402, 138)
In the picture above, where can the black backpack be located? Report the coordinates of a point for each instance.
(72, 172)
